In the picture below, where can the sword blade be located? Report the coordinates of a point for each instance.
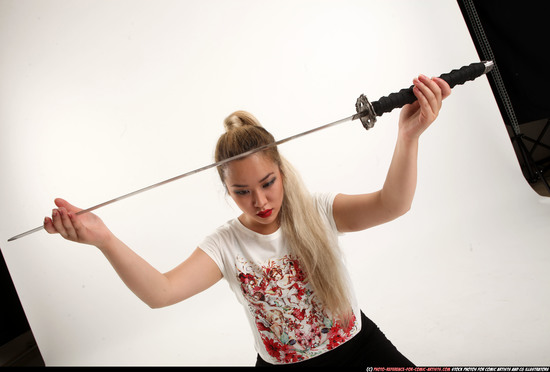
(201, 169)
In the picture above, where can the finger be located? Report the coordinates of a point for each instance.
(67, 224)
(444, 86)
(48, 226)
(61, 203)
(57, 223)
(423, 95)
(77, 224)
(434, 94)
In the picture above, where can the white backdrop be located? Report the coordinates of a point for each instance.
(100, 98)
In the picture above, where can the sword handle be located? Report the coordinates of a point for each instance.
(453, 78)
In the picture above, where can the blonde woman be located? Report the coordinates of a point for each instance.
(284, 235)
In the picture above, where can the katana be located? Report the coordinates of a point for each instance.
(366, 112)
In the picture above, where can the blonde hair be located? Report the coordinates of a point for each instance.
(300, 221)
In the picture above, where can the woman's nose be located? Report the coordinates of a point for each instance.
(259, 199)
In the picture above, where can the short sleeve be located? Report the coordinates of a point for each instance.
(211, 246)
(325, 203)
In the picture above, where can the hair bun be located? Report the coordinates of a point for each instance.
(240, 119)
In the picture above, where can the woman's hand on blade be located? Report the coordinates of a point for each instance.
(86, 228)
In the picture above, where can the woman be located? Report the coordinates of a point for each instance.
(280, 256)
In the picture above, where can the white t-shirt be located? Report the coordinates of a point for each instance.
(287, 320)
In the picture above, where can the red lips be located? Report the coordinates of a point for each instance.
(265, 214)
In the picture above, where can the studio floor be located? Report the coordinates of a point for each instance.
(22, 351)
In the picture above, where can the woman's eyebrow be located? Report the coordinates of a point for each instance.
(265, 178)
(260, 181)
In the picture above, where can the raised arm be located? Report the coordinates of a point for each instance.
(359, 212)
(156, 289)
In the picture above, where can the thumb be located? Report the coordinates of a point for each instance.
(61, 203)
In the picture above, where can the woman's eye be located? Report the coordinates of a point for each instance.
(270, 183)
(241, 192)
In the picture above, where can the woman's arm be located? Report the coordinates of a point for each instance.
(359, 212)
(194, 275)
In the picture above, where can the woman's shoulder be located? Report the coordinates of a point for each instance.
(324, 199)
(324, 202)
(226, 229)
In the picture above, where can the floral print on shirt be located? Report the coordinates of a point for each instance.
(290, 319)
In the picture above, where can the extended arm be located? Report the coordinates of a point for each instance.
(156, 289)
(359, 212)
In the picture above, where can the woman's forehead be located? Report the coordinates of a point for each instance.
(253, 168)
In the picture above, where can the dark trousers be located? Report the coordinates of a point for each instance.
(369, 348)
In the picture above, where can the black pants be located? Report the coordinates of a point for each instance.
(369, 348)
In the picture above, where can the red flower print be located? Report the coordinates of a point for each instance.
(290, 320)
(335, 341)
(299, 314)
(272, 347)
(262, 327)
(246, 278)
(292, 357)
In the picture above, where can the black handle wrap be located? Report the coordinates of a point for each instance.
(406, 96)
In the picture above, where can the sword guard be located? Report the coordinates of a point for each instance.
(365, 112)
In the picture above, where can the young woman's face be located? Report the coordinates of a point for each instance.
(256, 186)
